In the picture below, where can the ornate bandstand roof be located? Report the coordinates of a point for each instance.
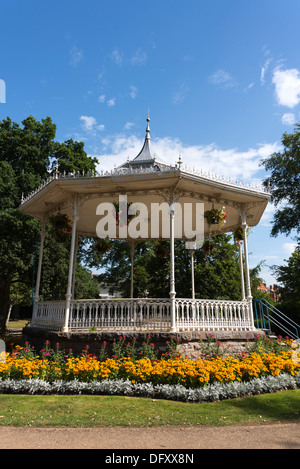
(145, 159)
(147, 179)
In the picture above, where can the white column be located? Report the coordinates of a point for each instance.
(131, 266)
(172, 266)
(69, 285)
(241, 270)
(247, 272)
(192, 273)
(74, 265)
(39, 271)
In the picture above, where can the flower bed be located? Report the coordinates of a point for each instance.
(209, 393)
(24, 368)
(189, 373)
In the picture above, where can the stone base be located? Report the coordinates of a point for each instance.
(188, 342)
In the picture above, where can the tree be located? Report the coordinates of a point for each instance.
(70, 157)
(217, 271)
(284, 184)
(289, 277)
(20, 293)
(28, 155)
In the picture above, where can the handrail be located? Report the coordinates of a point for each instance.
(273, 315)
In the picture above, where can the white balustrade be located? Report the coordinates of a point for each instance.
(144, 314)
(120, 315)
(49, 315)
(212, 315)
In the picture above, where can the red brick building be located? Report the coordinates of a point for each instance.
(272, 290)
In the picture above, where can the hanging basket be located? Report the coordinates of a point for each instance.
(62, 227)
(161, 251)
(102, 246)
(60, 236)
(238, 235)
(216, 216)
(61, 222)
(208, 247)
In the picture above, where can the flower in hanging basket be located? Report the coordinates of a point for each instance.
(216, 216)
(238, 234)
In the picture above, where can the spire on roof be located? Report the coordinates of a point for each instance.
(145, 153)
(145, 159)
(148, 128)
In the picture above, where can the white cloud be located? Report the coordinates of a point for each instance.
(139, 58)
(289, 248)
(287, 86)
(133, 91)
(223, 79)
(117, 56)
(111, 102)
(181, 93)
(288, 118)
(188, 58)
(264, 70)
(101, 98)
(268, 215)
(76, 56)
(90, 124)
(231, 163)
(129, 125)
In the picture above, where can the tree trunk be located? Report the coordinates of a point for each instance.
(8, 316)
(4, 302)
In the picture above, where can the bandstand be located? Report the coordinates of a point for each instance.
(151, 182)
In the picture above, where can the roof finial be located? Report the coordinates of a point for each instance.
(179, 162)
(148, 127)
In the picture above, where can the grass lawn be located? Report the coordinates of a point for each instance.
(17, 323)
(88, 411)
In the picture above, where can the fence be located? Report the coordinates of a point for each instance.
(145, 314)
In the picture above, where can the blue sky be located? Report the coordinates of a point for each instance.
(221, 79)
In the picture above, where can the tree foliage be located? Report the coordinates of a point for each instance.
(284, 184)
(28, 155)
(216, 270)
(289, 278)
